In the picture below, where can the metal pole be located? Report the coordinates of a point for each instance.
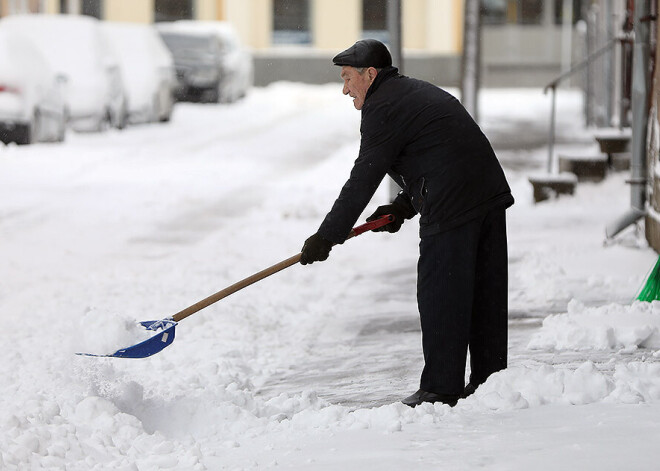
(590, 102)
(566, 34)
(640, 102)
(551, 138)
(640, 114)
(608, 75)
(471, 58)
(394, 30)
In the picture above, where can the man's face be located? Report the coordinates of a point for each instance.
(356, 84)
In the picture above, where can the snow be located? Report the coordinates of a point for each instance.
(303, 370)
(103, 333)
(608, 327)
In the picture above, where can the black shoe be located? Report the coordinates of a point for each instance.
(424, 396)
(469, 390)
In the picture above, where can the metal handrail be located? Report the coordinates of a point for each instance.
(582, 64)
(553, 86)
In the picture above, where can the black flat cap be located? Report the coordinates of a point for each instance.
(365, 53)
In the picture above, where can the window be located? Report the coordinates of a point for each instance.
(522, 12)
(172, 10)
(91, 8)
(493, 12)
(291, 22)
(374, 15)
(529, 12)
(374, 20)
(577, 10)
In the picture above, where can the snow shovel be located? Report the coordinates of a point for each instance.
(164, 328)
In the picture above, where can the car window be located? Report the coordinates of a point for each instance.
(181, 42)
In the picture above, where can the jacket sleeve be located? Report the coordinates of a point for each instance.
(379, 147)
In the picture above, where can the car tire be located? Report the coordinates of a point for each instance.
(61, 131)
(105, 122)
(23, 134)
(167, 117)
(37, 127)
(214, 95)
(122, 119)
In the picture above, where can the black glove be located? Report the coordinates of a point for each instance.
(396, 210)
(316, 249)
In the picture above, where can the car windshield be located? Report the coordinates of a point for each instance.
(188, 45)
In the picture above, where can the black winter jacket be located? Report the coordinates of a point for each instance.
(428, 143)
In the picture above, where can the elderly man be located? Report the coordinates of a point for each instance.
(423, 138)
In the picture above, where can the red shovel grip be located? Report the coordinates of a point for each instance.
(370, 226)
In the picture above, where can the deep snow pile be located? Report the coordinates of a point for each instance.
(613, 326)
(304, 370)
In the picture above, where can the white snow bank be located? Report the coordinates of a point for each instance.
(532, 267)
(92, 435)
(524, 387)
(613, 326)
(515, 388)
(116, 432)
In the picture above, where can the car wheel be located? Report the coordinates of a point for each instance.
(122, 119)
(156, 110)
(23, 134)
(36, 128)
(105, 122)
(213, 94)
(61, 130)
(64, 125)
(166, 118)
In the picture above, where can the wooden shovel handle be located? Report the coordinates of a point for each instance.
(214, 298)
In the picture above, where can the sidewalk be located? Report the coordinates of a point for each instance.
(556, 254)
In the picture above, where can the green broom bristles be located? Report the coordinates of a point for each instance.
(651, 290)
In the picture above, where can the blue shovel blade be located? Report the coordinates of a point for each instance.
(146, 348)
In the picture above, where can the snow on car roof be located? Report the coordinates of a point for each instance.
(218, 28)
(71, 43)
(134, 42)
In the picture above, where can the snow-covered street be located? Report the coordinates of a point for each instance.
(305, 369)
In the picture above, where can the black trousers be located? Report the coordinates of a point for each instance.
(462, 295)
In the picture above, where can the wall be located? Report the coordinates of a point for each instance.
(252, 19)
(316, 67)
(513, 56)
(432, 31)
(129, 10)
(336, 24)
(205, 9)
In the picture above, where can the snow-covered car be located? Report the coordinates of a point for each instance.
(32, 105)
(76, 48)
(147, 70)
(211, 63)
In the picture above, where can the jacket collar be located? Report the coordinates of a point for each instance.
(383, 75)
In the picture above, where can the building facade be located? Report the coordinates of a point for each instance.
(524, 42)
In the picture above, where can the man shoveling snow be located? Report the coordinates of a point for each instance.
(425, 140)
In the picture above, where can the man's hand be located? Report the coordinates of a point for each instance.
(316, 249)
(394, 209)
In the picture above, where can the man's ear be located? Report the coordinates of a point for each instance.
(372, 73)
